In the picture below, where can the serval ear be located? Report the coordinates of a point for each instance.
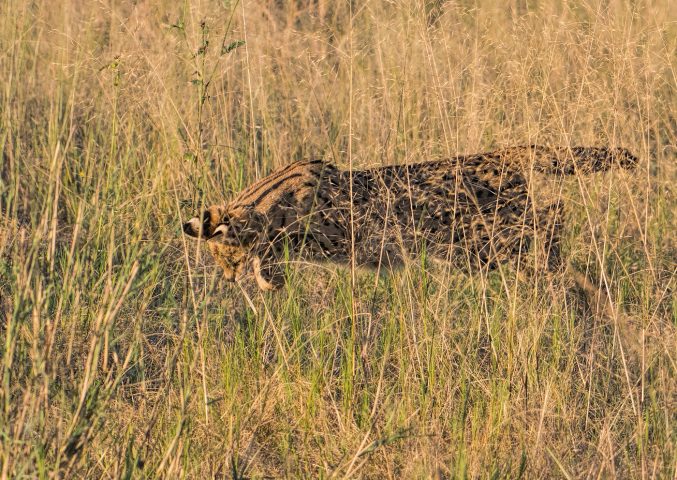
(205, 227)
(221, 230)
(193, 227)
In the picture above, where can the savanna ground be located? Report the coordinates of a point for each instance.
(124, 355)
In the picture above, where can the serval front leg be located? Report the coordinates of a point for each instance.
(551, 222)
(268, 273)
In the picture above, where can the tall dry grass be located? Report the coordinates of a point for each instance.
(124, 355)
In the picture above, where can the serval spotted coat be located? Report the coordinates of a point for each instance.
(475, 211)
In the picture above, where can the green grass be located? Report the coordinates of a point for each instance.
(123, 354)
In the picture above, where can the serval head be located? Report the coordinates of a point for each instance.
(230, 236)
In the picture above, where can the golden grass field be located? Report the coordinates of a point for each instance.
(122, 353)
